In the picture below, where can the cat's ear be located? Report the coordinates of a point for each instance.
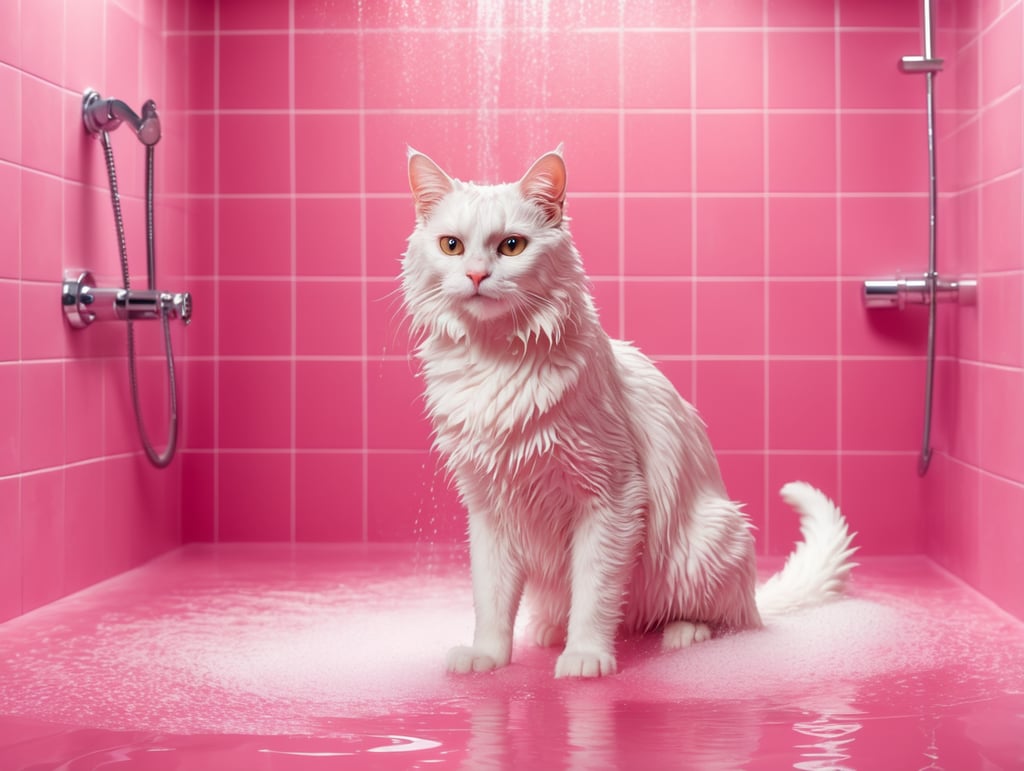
(428, 183)
(544, 183)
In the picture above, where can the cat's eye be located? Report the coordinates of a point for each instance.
(451, 245)
(512, 246)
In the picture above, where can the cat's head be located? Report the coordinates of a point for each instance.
(490, 259)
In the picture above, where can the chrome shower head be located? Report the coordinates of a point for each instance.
(99, 114)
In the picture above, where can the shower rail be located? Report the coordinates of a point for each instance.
(930, 289)
(83, 302)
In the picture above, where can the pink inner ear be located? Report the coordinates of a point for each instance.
(428, 183)
(545, 183)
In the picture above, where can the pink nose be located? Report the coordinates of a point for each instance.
(476, 277)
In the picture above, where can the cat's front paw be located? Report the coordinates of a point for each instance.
(585, 664)
(683, 634)
(463, 660)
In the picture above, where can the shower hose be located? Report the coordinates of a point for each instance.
(158, 459)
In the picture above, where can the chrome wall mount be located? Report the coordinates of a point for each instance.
(83, 302)
(929, 289)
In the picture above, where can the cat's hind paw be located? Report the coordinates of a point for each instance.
(464, 660)
(585, 664)
(683, 634)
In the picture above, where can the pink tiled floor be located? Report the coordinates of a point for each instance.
(276, 657)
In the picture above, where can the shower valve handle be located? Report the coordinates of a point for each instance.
(84, 302)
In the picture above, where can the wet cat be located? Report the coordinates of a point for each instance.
(590, 484)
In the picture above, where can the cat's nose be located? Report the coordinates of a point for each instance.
(477, 277)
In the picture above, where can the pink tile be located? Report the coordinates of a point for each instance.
(1001, 542)
(965, 166)
(724, 62)
(802, 405)
(954, 526)
(329, 318)
(41, 222)
(799, 13)
(42, 538)
(42, 416)
(85, 531)
(255, 236)
(1001, 57)
(802, 236)
(11, 567)
(878, 13)
(326, 240)
(587, 58)
(327, 154)
(967, 62)
(881, 152)
(392, 65)
(395, 410)
(329, 498)
(387, 324)
(196, 407)
(244, 332)
(83, 59)
(893, 522)
(658, 15)
(658, 316)
(730, 318)
(595, 231)
(10, 34)
(255, 404)
(41, 139)
(409, 500)
(254, 71)
(802, 317)
(327, 71)
(199, 75)
(730, 153)
(197, 501)
(245, 138)
(10, 321)
(253, 497)
(1000, 137)
(1002, 231)
(328, 405)
(338, 16)
(121, 72)
(83, 390)
(870, 77)
(10, 130)
(200, 338)
(654, 166)
(801, 68)
(42, 39)
(730, 236)
(199, 242)
(728, 13)
(649, 51)
(657, 236)
(44, 331)
(1002, 429)
(11, 419)
(744, 477)
(960, 422)
(904, 250)
(609, 307)
(820, 470)
(961, 251)
(731, 399)
(882, 405)
(254, 14)
(1002, 319)
(201, 162)
(801, 153)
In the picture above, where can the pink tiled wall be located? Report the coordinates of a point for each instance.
(976, 512)
(77, 501)
(736, 170)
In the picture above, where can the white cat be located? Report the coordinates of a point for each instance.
(590, 483)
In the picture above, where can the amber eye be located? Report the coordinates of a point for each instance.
(451, 245)
(512, 246)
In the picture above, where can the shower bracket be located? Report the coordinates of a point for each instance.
(899, 292)
(84, 302)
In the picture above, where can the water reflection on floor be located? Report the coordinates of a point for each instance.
(272, 657)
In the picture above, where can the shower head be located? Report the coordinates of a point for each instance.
(99, 114)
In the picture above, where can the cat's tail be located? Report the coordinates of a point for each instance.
(819, 566)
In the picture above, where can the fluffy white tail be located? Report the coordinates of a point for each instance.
(819, 566)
